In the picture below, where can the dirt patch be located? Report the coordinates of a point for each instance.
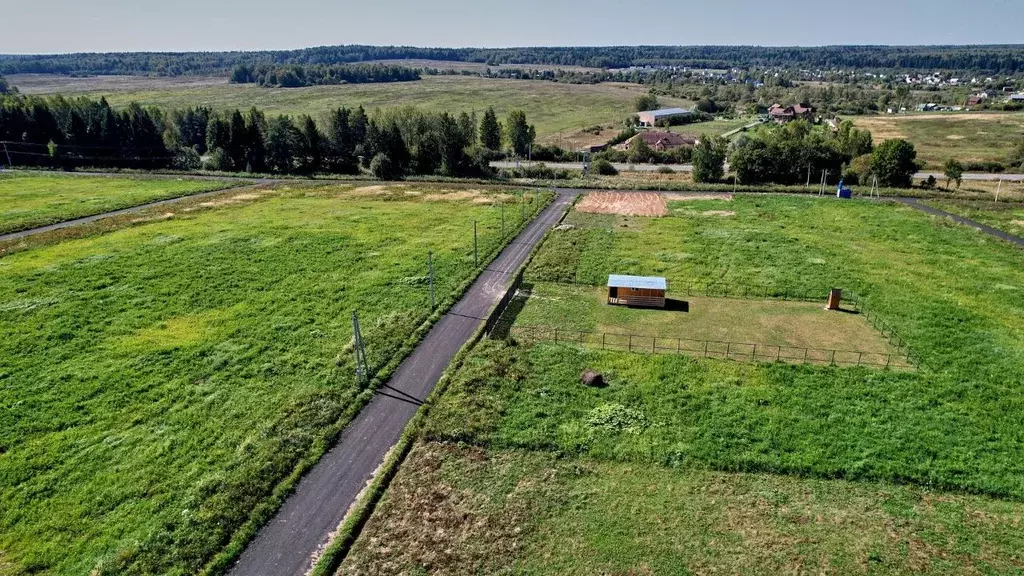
(691, 196)
(375, 190)
(955, 137)
(1017, 222)
(453, 195)
(718, 213)
(624, 204)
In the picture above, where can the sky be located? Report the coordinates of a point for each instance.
(57, 26)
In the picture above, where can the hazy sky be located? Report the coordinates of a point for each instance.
(48, 26)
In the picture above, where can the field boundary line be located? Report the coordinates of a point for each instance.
(720, 349)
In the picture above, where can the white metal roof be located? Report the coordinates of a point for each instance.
(639, 282)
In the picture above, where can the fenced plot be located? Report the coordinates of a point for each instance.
(738, 351)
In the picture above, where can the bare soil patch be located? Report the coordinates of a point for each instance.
(624, 204)
(718, 213)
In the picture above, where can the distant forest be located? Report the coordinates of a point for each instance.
(993, 59)
(295, 76)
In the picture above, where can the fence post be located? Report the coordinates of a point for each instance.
(888, 358)
(728, 350)
(753, 353)
(678, 345)
(630, 342)
(602, 340)
(859, 356)
(805, 356)
(833, 362)
(654, 345)
(778, 354)
(705, 348)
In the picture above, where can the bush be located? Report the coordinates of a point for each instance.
(218, 161)
(990, 166)
(383, 168)
(603, 167)
(187, 159)
(665, 170)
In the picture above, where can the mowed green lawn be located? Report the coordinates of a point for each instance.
(157, 382)
(30, 200)
(465, 510)
(552, 107)
(988, 136)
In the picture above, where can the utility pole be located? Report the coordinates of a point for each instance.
(808, 175)
(999, 187)
(430, 265)
(476, 253)
(362, 367)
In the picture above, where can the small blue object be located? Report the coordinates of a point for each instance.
(843, 192)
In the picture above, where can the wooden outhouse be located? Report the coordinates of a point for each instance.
(640, 291)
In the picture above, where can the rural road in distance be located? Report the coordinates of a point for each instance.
(624, 167)
(288, 543)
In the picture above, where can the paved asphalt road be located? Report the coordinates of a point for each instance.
(914, 202)
(287, 544)
(689, 168)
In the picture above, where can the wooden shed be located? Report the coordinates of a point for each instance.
(641, 291)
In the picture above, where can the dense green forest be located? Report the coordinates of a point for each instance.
(1002, 59)
(70, 133)
(295, 76)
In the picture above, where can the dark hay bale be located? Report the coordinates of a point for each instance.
(592, 379)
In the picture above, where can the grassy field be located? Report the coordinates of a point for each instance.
(952, 292)
(680, 465)
(552, 107)
(939, 137)
(158, 381)
(767, 322)
(30, 200)
(999, 215)
(464, 510)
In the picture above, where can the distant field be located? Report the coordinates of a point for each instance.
(463, 510)
(30, 200)
(553, 107)
(939, 137)
(999, 215)
(158, 381)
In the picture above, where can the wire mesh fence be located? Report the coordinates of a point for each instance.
(851, 302)
(740, 351)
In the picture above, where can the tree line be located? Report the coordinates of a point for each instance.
(295, 76)
(992, 59)
(71, 133)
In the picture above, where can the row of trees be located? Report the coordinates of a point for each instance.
(295, 76)
(82, 132)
